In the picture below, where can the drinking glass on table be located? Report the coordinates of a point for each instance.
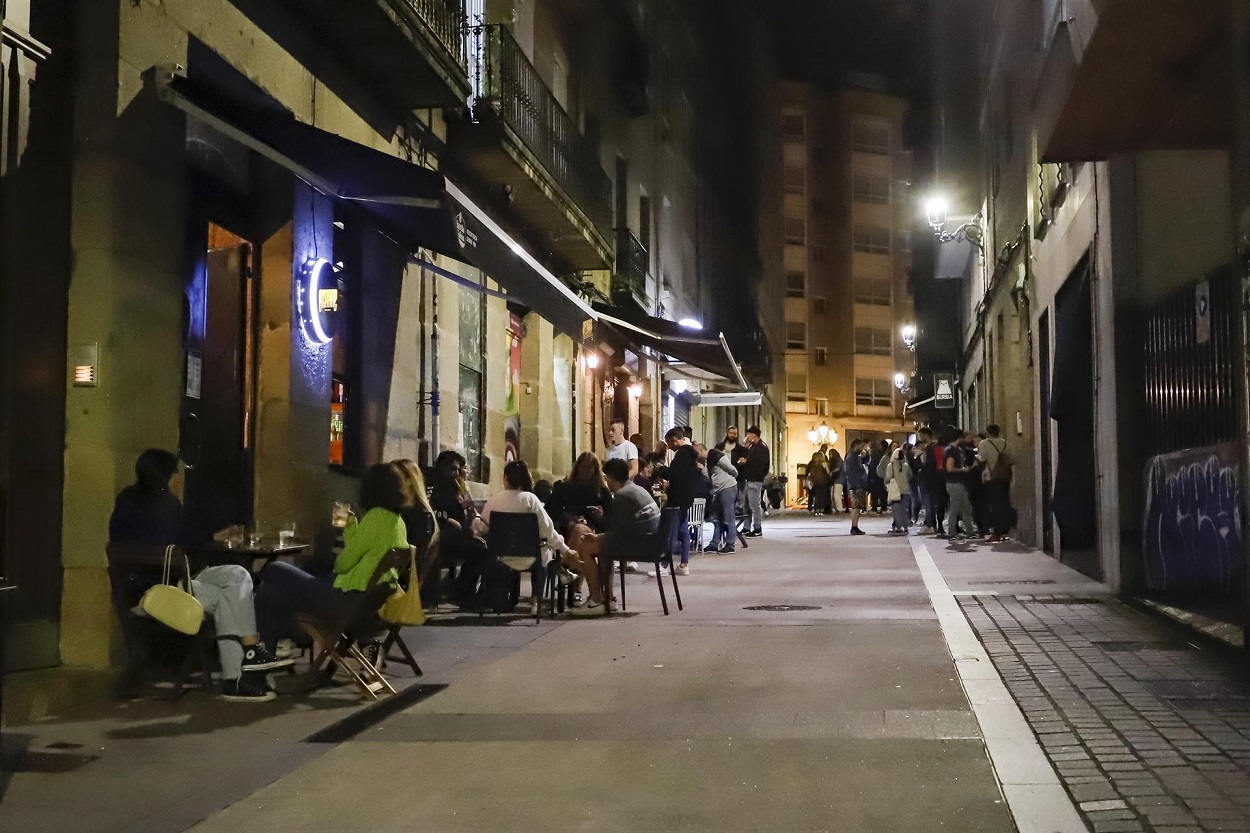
(286, 535)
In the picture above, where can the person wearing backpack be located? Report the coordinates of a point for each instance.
(997, 483)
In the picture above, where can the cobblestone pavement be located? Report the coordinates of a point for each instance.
(1147, 732)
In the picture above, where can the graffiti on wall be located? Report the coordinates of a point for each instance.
(1192, 540)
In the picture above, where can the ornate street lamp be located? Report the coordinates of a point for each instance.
(902, 382)
(822, 434)
(908, 332)
(937, 208)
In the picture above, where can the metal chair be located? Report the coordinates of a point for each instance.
(652, 550)
(697, 510)
(513, 538)
(337, 637)
(137, 629)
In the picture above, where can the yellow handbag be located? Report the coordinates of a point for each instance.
(170, 604)
(404, 608)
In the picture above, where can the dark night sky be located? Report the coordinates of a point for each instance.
(818, 41)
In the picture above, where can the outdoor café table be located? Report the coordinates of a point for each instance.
(254, 556)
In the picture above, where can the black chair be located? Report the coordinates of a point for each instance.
(200, 650)
(514, 540)
(337, 636)
(653, 550)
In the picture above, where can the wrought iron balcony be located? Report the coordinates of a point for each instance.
(632, 264)
(507, 86)
(412, 51)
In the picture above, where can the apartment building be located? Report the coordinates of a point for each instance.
(293, 240)
(1101, 320)
(848, 220)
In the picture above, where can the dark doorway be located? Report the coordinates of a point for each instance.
(1074, 503)
(218, 398)
(1047, 447)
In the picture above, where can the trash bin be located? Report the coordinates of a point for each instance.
(6, 593)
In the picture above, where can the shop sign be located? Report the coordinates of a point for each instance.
(943, 390)
(320, 296)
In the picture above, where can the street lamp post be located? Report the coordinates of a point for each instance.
(822, 434)
(937, 209)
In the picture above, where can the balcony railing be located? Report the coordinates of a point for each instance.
(632, 264)
(506, 81)
(445, 19)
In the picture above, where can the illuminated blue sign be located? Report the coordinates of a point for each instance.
(319, 297)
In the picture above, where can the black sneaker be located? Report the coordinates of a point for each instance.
(246, 690)
(857, 531)
(725, 549)
(257, 658)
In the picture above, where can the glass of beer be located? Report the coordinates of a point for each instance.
(342, 512)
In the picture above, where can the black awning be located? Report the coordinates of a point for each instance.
(680, 345)
(413, 205)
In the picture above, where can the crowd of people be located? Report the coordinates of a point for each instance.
(608, 509)
(957, 489)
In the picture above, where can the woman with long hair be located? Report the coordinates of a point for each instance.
(582, 497)
(454, 511)
(422, 528)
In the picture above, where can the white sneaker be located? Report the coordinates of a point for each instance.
(631, 566)
(662, 571)
(683, 569)
(589, 609)
(285, 649)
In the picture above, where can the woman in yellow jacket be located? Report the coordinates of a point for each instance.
(365, 542)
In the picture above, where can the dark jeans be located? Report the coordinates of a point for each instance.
(935, 505)
(457, 547)
(301, 592)
(996, 496)
(675, 522)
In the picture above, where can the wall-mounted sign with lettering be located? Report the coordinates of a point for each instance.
(320, 298)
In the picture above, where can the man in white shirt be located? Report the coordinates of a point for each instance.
(621, 448)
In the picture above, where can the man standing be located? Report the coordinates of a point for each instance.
(856, 474)
(961, 469)
(754, 469)
(997, 483)
(620, 448)
(683, 482)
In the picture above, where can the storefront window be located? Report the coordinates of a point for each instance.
(472, 368)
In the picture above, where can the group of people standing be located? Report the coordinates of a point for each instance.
(961, 488)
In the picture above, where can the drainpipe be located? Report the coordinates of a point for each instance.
(435, 448)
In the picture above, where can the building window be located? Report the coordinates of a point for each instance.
(796, 335)
(878, 393)
(871, 341)
(818, 155)
(818, 306)
(821, 356)
(873, 291)
(904, 241)
(793, 125)
(822, 407)
(796, 179)
(796, 387)
(818, 206)
(796, 284)
(796, 231)
(870, 137)
(872, 239)
(472, 368)
(818, 254)
(870, 189)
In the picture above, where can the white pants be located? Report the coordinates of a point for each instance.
(839, 496)
(226, 593)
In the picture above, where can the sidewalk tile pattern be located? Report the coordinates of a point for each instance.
(1147, 732)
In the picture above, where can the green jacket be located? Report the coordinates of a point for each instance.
(364, 544)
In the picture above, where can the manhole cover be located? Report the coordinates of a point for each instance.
(48, 763)
(782, 608)
(1067, 600)
(1020, 581)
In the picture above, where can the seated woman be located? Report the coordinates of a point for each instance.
(518, 497)
(581, 498)
(453, 509)
(148, 512)
(365, 542)
(422, 528)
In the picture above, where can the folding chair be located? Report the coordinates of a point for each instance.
(337, 637)
(514, 539)
(393, 636)
(697, 511)
(137, 629)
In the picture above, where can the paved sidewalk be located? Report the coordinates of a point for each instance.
(1148, 730)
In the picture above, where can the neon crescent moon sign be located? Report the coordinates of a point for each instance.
(319, 301)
